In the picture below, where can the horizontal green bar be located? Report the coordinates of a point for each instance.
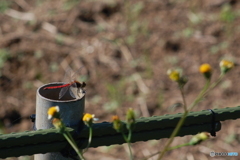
(49, 140)
(149, 135)
(102, 141)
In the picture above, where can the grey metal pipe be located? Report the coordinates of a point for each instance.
(71, 111)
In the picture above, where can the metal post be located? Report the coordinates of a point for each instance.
(71, 111)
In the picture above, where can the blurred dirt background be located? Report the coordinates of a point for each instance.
(126, 47)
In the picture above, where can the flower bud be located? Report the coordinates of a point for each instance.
(174, 75)
(206, 70)
(226, 66)
(117, 124)
(199, 138)
(130, 118)
(58, 124)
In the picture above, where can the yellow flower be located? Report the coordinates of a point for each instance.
(88, 117)
(225, 63)
(174, 75)
(53, 112)
(226, 66)
(206, 70)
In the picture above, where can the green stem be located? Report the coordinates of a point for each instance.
(216, 83)
(128, 140)
(129, 144)
(175, 147)
(181, 121)
(129, 136)
(179, 146)
(174, 133)
(207, 88)
(70, 136)
(73, 144)
(200, 96)
(130, 150)
(184, 100)
(125, 137)
(89, 139)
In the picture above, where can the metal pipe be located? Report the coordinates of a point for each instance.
(71, 111)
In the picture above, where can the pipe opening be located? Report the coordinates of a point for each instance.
(53, 94)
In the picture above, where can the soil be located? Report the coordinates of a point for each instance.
(125, 49)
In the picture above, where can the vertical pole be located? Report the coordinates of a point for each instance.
(71, 111)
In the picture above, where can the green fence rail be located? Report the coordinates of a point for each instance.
(156, 127)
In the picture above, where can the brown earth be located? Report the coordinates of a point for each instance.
(126, 47)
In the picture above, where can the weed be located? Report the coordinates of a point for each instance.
(135, 27)
(4, 5)
(219, 47)
(195, 18)
(4, 55)
(69, 4)
(54, 67)
(188, 32)
(227, 14)
(115, 92)
(60, 39)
